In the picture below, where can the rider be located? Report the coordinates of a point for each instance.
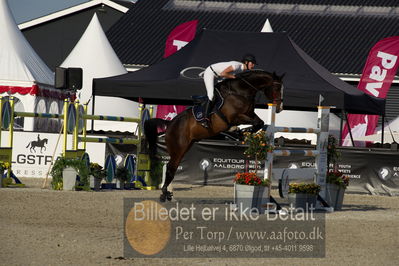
(221, 71)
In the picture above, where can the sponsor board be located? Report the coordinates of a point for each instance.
(32, 152)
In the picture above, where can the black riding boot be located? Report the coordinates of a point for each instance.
(207, 110)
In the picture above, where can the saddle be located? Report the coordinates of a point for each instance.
(198, 108)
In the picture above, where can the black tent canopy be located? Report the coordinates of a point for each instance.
(175, 79)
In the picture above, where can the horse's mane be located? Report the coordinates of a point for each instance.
(244, 75)
(248, 73)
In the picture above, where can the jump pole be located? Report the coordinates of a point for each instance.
(66, 103)
(320, 153)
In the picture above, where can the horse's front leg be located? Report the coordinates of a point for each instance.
(253, 120)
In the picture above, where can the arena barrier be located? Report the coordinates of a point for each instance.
(75, 118)
(7, 116)
(141, 175)
(319, 172)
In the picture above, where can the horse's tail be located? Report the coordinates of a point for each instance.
(151, 127)
(29, 144)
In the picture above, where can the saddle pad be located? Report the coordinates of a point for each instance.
(198, 110)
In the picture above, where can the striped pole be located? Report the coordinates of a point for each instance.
(76, 129)
(85, 123)
(271, 118)
(66, 102)
(307, 153)
(11, 135)
(109, 140)
(42, 115)
(323, 119)
(139, 132)
(111, 118)
(297, 130)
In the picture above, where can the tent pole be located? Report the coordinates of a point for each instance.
(382, 130)
(92, 112)
(341, 127)
(349, 129)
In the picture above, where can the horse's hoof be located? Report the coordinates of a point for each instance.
(162, 198)
(169, 196)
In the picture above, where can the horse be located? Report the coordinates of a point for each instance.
(238, 108)
(39, 143)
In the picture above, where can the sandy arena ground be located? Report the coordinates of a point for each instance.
(45, 227)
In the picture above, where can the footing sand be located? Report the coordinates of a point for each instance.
(46, 227)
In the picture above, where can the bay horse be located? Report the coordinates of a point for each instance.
(238, 108)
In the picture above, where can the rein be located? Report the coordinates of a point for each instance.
(248, 83)
(260, 89)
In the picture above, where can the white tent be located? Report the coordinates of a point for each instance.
(95, 55)
(23, 74)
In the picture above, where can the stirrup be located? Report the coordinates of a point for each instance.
(206, 123)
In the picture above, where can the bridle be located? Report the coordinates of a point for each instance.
(281, 98)
(274, 92)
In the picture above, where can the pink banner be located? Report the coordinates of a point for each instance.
(178, 38)
(377, 77)
(168, 112)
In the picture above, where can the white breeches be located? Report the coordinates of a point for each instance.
(209, 80)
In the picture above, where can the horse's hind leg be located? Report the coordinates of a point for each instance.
(170, 174)
(171, 168)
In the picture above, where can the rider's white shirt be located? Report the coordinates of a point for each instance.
(238, 67)
(209, 75)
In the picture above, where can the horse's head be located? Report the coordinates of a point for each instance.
(275, 91)
(259, 80)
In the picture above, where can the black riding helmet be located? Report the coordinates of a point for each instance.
(249, 58)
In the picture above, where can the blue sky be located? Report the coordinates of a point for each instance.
(25, 10)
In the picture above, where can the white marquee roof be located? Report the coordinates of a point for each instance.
(20, 66)
(95, 55)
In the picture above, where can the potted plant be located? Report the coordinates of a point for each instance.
(336, 184)
(333, 154)
(251, 191)
(303, 195)
(65, 171)
(258, 146)
(97, 174)
(3, 166)
(122, 176)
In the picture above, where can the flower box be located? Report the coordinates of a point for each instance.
(248, 198)
(335, 196)
(302, 200)
(336, 184)
(95, 183)
(251, 192)
(108, 186)
(69, 178)
(303, 195)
